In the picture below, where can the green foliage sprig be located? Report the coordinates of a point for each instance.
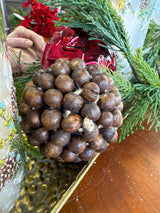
(141, 101)
(151, 46)
(147, 74)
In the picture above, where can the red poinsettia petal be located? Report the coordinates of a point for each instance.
(25, 24)
(26, 4)
(35, 4)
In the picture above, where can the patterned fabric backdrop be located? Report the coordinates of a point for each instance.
(12, 155)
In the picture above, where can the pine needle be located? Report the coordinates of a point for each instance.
(151, 46)
(147, 74)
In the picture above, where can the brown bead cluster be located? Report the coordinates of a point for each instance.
(70, 111)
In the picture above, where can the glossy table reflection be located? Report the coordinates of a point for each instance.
(124, 179)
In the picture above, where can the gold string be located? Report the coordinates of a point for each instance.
(16, 57)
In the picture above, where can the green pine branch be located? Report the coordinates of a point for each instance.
(151, 46)
(125, 87)
(146, 107)
(98, 19)
(147, 74)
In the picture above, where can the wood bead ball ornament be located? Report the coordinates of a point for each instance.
(71, 111)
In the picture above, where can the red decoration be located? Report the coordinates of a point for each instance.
(41, 18)
(65, 42)
(74, 43)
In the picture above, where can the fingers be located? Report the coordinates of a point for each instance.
(22, 32)
(37, 39)
(19, 42)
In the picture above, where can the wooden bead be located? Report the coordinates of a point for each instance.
(68, 156)
(107, 102)
(101, 80)
(91, 111)
(33, 118)
(64, 83)
(106, 119)
(71, 123)
(90, 91)
(50, 150)
(72, 102)
(80, 77)
(33, 97)
(60, 138)
(51, 119)
(77, 63)
(87, 154)
(77, 144)
(60, 66)
(53, 98)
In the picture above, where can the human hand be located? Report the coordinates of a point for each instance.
(25, 38)
(21, 59)
(25, 46)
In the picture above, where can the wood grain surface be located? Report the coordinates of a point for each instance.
(124, 179)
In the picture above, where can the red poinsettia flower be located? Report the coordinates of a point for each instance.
(26, 4)
(26, 22)
(41, 18)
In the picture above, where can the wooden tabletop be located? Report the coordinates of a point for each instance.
(124, 179)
